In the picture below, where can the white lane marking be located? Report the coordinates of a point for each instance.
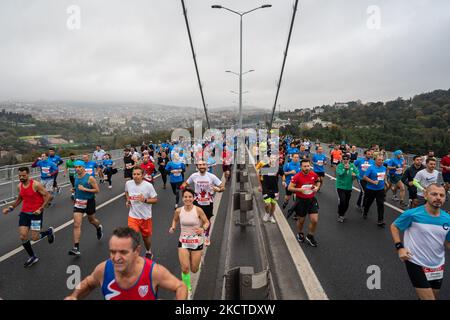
(196, 276)
(385, 203)
(65, 225)
(311, 283)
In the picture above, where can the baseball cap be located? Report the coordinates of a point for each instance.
(397, 152)
(79, 163)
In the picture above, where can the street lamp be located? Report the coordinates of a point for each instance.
(216, 6)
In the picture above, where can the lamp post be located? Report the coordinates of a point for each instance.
(240, 50)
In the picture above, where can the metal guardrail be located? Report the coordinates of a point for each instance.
(9, 175)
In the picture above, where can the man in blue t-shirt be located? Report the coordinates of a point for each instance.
(176, 168)
(319, 161)
(426, 234)
(56, 159)
(362, 164)
(290, 169)
(396, 167)
(375, 176)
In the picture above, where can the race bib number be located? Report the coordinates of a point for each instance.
(399, 171)
(434, 274)
(176, 173)
(380, 176)
(320, 163)
(190, 242)
(71, 170)
(307, 189)
(81, 204)
(365, 166)
(89, 171)
(36, 225)
(45, 170)
(335, 161)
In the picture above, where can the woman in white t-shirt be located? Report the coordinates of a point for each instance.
(193, 223)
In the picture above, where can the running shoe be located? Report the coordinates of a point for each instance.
(284, 205)
(74, 252)
(381, 224)
(58, 190)
(310, 239)
(272, 219)
(266, 217)
(51, 235)
(31, 260)
(100, 232)
(109, 187)
(300, 237)
(341, 219)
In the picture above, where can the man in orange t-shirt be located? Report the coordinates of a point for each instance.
(336, 155)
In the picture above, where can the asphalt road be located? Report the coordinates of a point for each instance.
(48, 278)
(345, 251)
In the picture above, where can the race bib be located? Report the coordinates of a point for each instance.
(71, 170)
(399, 171)
(81, 204)
(176, 173)
(89, 171)
(335, 161)
(190, 242)
(307, 188)
(434, 274)
(36, 225)
(380, 176)
(365, 166)
(45, 170)
(320, 163)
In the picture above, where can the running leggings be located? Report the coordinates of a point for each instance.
(344, 200)
(372, 195)
(163, 175)
(176, 190)
(362, 185)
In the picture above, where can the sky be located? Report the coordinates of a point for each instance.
(138, 51)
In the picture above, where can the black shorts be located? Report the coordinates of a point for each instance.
(127, 173)
(446, 177)
(412, 193)
(288, 193)
(89, 210)
(306, 206)
(208, 210)
(320, 174)
(32, 221)
(199, 248)
(226, 167)
(418, 278)
(72, 181)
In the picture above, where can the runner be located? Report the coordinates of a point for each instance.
(445, 167)
(375, 176)
(176, 168)
(408, 179)
(85, 189)
(362, 164)
(98, 157)
(424, 178)
(53, 157)
(268, 173)
(426, 234)
(303, 154)
(205, 185)
(129, 164)
(163, 160)
(319, 161)
(345, 172)
(34, 198)
(193, 224)
(353, 154)
(89, 166)
(396, 167)
(109, 169)
(290, 169)
(305, 185)
(430, 154)
(292, 150)
(336, 156)
(141, 195)
(48, 171)
(71, 169)
(126, 275)
(148, 168)
(227, 159)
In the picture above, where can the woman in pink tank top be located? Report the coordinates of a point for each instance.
(193, 223)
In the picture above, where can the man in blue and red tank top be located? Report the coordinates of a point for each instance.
(127, 275)
(34, 198)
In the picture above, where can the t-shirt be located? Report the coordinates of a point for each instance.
(398, 164)
(425, 179)
(148, 168)
(289, 166)
(129, 162)
(140, 210)
(445, 161)
(70, 167)
(97, 156)
(376, 173)
(305, 182)
(336, 155)
(363, 164)
(425, 236)
(319, 160)
(90, 167)
(47, 169)
(204, 193)
(175, 169)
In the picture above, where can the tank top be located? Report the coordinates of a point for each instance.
(84, 181)
(141, 290)
(31, 200)
(189, 222)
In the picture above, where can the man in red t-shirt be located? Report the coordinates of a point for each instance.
(148, 168)
(305, 184)
(445, 166)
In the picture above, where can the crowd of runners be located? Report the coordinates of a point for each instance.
(297, 172)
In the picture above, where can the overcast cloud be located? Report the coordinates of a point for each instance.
(138, 51)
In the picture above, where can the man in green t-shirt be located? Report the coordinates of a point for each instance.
(345, 173)
(71, 169)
